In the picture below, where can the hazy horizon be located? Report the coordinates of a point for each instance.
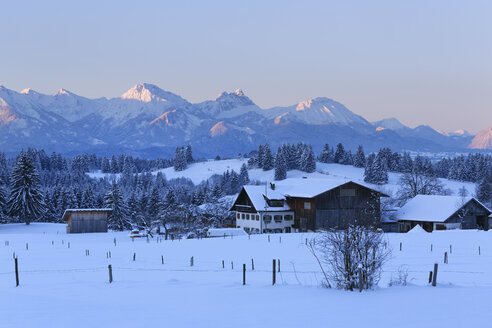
(420, 62)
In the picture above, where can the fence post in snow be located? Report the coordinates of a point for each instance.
(278, 265)
(252, 265)
(110, 269)
(27, 246)
(274, 274)
(191, 261)
(68, 244)
(232, 265)
(223, 266)
(16, 272)
(450, 249)
(431, 247)
(114, 241)
(268, 238)
(478, 250)
(434, 276)
(162, 259)
(400, 245)
(430, 277)
(134, 256)
(446, 257)
(244, 274)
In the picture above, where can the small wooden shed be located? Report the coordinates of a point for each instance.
(83, 220)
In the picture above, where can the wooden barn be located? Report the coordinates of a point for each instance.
(306, 204)
(434, 212)
(85, 220)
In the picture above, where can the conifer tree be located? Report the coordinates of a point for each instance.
(280, 166)
(26, 200)
(180, 159)
(339, 153)
(189, 155)
(267, 158)
(359, 157)
(484, 191)
(118, 219)
(243, 175)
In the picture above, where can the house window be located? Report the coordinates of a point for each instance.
(288, 217)
(257, 218)
(278, 218)
(347, 192)
(307, 205)
(247, 216)
(267, 218)
(238, 215)
(242, 216)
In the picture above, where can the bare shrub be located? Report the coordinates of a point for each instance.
(352, 258)
(401, 277)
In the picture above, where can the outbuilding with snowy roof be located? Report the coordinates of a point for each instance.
(83, 220)
(435, 212)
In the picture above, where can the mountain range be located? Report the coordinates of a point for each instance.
(148, 121)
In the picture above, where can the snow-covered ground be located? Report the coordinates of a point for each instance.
(199, 172)
(61, 286)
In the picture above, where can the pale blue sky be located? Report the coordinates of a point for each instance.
(424, 62)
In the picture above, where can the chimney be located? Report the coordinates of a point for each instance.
(272, 185)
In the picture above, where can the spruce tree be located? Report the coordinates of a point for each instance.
(326, 154)
(243, 175)
(484, 191)
(359, 157)
(339, 154)
(26, 200)
(119, 219)
(180, 159)
(267, 158)
(309, 162)
(189, 155)
(280, 166)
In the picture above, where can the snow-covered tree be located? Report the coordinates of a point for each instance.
(280, 166)
(180, 162)
(119, 219)
(189, 155)
(360, 157)
(339, 153)
(267, 158)
(484, 191)
(326, 155)
(26, 200)
(243, 175)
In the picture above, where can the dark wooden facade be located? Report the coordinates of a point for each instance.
(347, 204)
(86, 220)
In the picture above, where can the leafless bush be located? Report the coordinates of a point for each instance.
(352, 258)
(401, 277)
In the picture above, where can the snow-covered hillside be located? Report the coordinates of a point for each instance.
(60, 285)
(201, 171)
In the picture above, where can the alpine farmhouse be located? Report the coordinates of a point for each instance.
(299, 205)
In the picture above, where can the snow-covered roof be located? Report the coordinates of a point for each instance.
(257, 196)
(299, 188)
(220, 232)
(72, 210)
(432, 208)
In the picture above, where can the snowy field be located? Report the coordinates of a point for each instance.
(198, 172)
(62, 287)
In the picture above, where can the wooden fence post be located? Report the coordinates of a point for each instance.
(430, 277)
(232, 265)
(110, 269)
(134, 256)
(162, 259)
(16, 272)
(434, 276)
(252, 265)
(268, 238)
(431, 247)
(114, 241)
(401, 244)
(450, 249)
(360, 279)
(27, 246)
(278, 265)
(191, 261)
(478, 250)
(274, 273)
(223, 266)
(244, 274)
(446, 257)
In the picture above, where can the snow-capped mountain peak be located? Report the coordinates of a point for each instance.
(146, 92)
